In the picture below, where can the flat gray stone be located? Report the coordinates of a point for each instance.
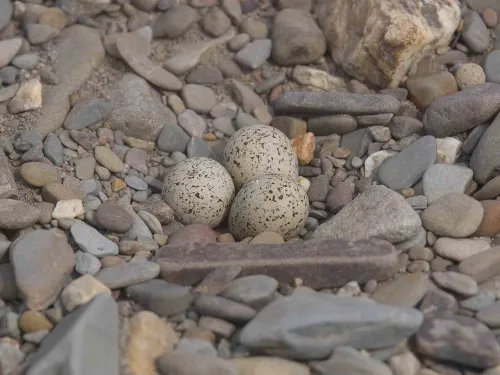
(192, 123)
(480, 301)
(87, 263)
(174, 22)
(458, 339)
(456, 113)
(456, 282)
(406, 168)
(356, 141)
(187, 363)
(255, 291)
(161, 297)
(254, 54)
(138, 110)
(442, 179)
(139, 228)
(394, 220)
(475, 34)
(85, 113)
(42, 262)
(308, 326)
(113, 217)
(473, 139)
(489, 191)
(245, 96)
(197, 147)
(403, 126)
(172, 138)
(90, 240)
(66, 348)
(136, 182)
(27, 61)
(205, 75)
(223, 308)
(335, 102)
(224, 125)
(127, 274)
(9, 49)
(336, 124)
(490, 315)
(137, 158)
(5, 13)
(199, 98)
(486, 155)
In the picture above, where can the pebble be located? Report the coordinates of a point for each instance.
(186, 363)
(87, 263)
(161, 297)
(33, 321)
(90, 240)
(8, 92)
(254, 54)
(68, 209)
(453, 215)
(134, 272)
(489, 315)
(82, 290)
(28, 97)
(11, 355)
(350, 360)
(113, 217)
(215, 22)
(52, 149)
(223, 308)
(246, 97)
(470, 75)
(9, 48)
(426, 89)
(475, 34)
(39, 33)
(198, 98)
(108, 159)
(456, 282)
(490, 66)
(255, 291)
(407, 167)
(481, 266)
(15, 215)
(405, 291)
(490, 225)
(26, 61)
(197, 346)
(174, 22)
(204, 75)
(480, 301)
(86, 113)
(459, 249)
(403, 126)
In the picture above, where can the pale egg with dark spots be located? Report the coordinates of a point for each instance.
(274, 203)
(199, 190)
(259, 150)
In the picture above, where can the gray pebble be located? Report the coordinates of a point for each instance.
(87, 263)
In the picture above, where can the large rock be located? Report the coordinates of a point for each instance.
(138, 110)
(454, 114)
(16, 215)
(377, 213)
(486, 156)
(378, 40)
(42, 261)
(84, 342)
(308, 326)
(296, 38)
(80, 51)
(321, 264)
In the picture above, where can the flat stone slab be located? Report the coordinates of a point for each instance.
(335, 102)
(320, 264)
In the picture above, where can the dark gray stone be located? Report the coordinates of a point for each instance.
(126, 274)
(394, 220)
(85, 113)
(52, 149)
(90, 240)
(172, 138)
(473, 139)
(406, 168)
(308, 326)
(223, 308)
(162, 298)
(84, 342)
(113, 217)
(491, 67)
(456, 113)
(475, 34)
(486, 156)
(335, 102)
(458, 339)
(319, 188)
(356, 141)
(336, 124)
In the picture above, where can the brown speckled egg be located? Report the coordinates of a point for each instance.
(269, 203)
(199, 190)
(259, 150)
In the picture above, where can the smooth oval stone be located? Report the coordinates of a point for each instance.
(456, 282)
(255, 291)
(490, 315)
(442, 179)
(113, 217)
(407, 168)
(491, 66)
(39, 174)
(134, 272)
(108, 159)
(16, 215)
(404, 291)
(223, 308)
(486, 155)
(87, 113)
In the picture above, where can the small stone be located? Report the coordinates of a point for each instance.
(40, 33)
(223, 308)
(215, 22)
(82, 290)
(443, 179)
(459, 249)
(113, 217)
(254, 54)
(470, 75)
(87, 263)
(90, 240)
(474, 33)
(108, 159)
(198, 98)
(27, 98)
(456, 282)
(68, 209)
(33, 321)
(134, 272)
(490, 225)
(15, 215)
(204, 75)
(255, 291)
(174, 22)
(267, 238)
(187, 363)
(303, 146)
(9, 48)
(407, 290)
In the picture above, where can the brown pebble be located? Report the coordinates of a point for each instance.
(34, 321)
(200, 333)
(111, 261)
(275, 93)
(304, 146)
(341, 153)
(118, 184)
(490, 17)
(209, 137)
(226, 238)
(407, 192)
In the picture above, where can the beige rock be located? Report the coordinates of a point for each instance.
(304, 147)
(68, 209)
(82, 290)
(269, 366)
(149, 337)
(267, 238)
(27, 98)
(470, 75)
(316, 78)
(379, 40)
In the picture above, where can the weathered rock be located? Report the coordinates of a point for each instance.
(91, 241)
(454, 114)
(458, 339)
(9, 48)
(459, 249)
(80, 51)
(379, 29)
(42, 261)
(174, 22)
(335, 102)
(442, 179)
(490, 225)
(82, 290)
(86, 113)
(296, 38)
(483, 265)
(486, 156)
(394, 220)
(138, 110)
(475, 34)
(307, 326)
(95, 326)
(335, 262)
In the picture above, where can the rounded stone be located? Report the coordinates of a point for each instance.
(39, 174)
(16, 215)
(453, 215)
(199, 190)
(259, 150)
(194, 233)
(199, 98)
(269, 203)
(34, 321)
(470, 75)
(490, 225)
(108, 159)
(113, 217)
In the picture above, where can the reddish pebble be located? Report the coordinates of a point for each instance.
(490, 17)
(275, 93)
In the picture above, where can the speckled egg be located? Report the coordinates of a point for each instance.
(259, 150)
(199, 190)
(269, 203)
